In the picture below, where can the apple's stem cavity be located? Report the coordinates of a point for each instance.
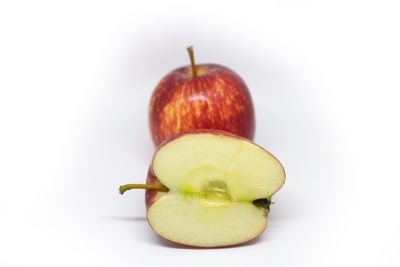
(263, 203)
(191, 55)
(155, 187)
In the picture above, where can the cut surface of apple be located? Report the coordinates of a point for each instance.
(216, 183)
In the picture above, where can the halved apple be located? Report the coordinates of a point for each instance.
(210, 188)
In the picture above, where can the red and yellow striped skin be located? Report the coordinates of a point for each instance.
(215, 99)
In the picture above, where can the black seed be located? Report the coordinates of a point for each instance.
(262, 203)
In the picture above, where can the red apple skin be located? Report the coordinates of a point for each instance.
(152, 196)
(215, 99)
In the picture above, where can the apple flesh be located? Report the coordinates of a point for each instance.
(212, 97)
(210, 189)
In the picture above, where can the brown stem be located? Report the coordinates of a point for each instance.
(191, 55)
(156, 187)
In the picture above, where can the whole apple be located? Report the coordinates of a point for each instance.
(205, 96)
(210, 188)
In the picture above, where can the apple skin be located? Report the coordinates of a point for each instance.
(217, 98)
(152, 196)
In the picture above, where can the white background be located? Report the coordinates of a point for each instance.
(76, 79)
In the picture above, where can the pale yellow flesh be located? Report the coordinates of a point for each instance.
(213, 180)
(197, 222)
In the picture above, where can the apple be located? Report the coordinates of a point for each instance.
(210, 188)
(205, 96)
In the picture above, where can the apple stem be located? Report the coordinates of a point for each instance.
(156, 187)
(191, 55)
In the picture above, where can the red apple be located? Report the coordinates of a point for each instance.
(208, 188)
(205, 96)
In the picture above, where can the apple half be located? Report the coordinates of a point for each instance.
(208, 188)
